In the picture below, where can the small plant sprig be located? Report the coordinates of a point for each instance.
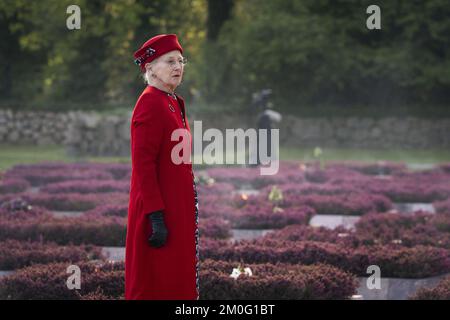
(318, 155)
(276, 197)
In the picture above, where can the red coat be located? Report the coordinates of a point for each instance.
(169, 272)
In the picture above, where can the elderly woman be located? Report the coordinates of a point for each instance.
(162, 233)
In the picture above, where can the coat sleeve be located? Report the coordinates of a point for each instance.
(148, 133)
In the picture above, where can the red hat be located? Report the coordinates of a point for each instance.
(156, 47)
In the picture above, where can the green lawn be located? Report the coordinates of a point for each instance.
(19, 154)
(11, 155)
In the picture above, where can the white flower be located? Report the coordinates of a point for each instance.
(277, 209)
(236, 273)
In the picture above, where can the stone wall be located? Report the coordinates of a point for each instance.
(83, 133)
(40, 128)
(385, 133)
(90, 133)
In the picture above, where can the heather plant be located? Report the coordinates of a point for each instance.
(395, 261)
(18, 254)
(275, 281)
(69, 201)
(87, 186)
(105, 280)
(88, 229)
(268, 216)
(37, 177)
(42, 282)
(439, 292)
(217, 228)
(13, 185)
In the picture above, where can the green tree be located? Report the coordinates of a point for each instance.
(45, 64)
(314, 52)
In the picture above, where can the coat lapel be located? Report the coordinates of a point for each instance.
(181, 103)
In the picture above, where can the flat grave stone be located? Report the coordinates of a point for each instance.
(114, 253)
(4, 273)
(413, 207)
(33, 190)
(248, 191)
(248, 234)
(62, 214)
(396, 288)
(420, 166)
(332, 221)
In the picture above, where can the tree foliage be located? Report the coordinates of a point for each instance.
(309, 52)
(321, 52)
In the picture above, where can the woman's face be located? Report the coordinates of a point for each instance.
(169, 68)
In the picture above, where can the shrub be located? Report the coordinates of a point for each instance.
(345, 204)
(17, 254)
(217, 188)
(288, 172)
(377, 168)
(408, 230)
(326, 198)
(406, 190)
(214, 228)
(430, 176)
(106, 281)
(87, 186)
(275, 281)
(440, 292)
(316, 175)
(442, 206)
(49, 281)
(110, 210)
(118, 170)
(88, 229)
(235, 176)
(281, 177)
(416, 262)
(13, 185)
(98, 295)
(268, 216)
(69, 201)
(395, 261)
(22, 213)
(311, 189)
(354, 204)
(320, 234)
(445, 167)
(211, 206)
(38, 176)
(442, 222)
(16, 204)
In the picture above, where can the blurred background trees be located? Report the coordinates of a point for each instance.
(314, 54)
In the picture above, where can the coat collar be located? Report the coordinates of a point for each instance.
(166, 94)
(157, 90)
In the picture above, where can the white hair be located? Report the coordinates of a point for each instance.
(147, 75)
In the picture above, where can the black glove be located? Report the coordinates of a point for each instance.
(159, 235)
